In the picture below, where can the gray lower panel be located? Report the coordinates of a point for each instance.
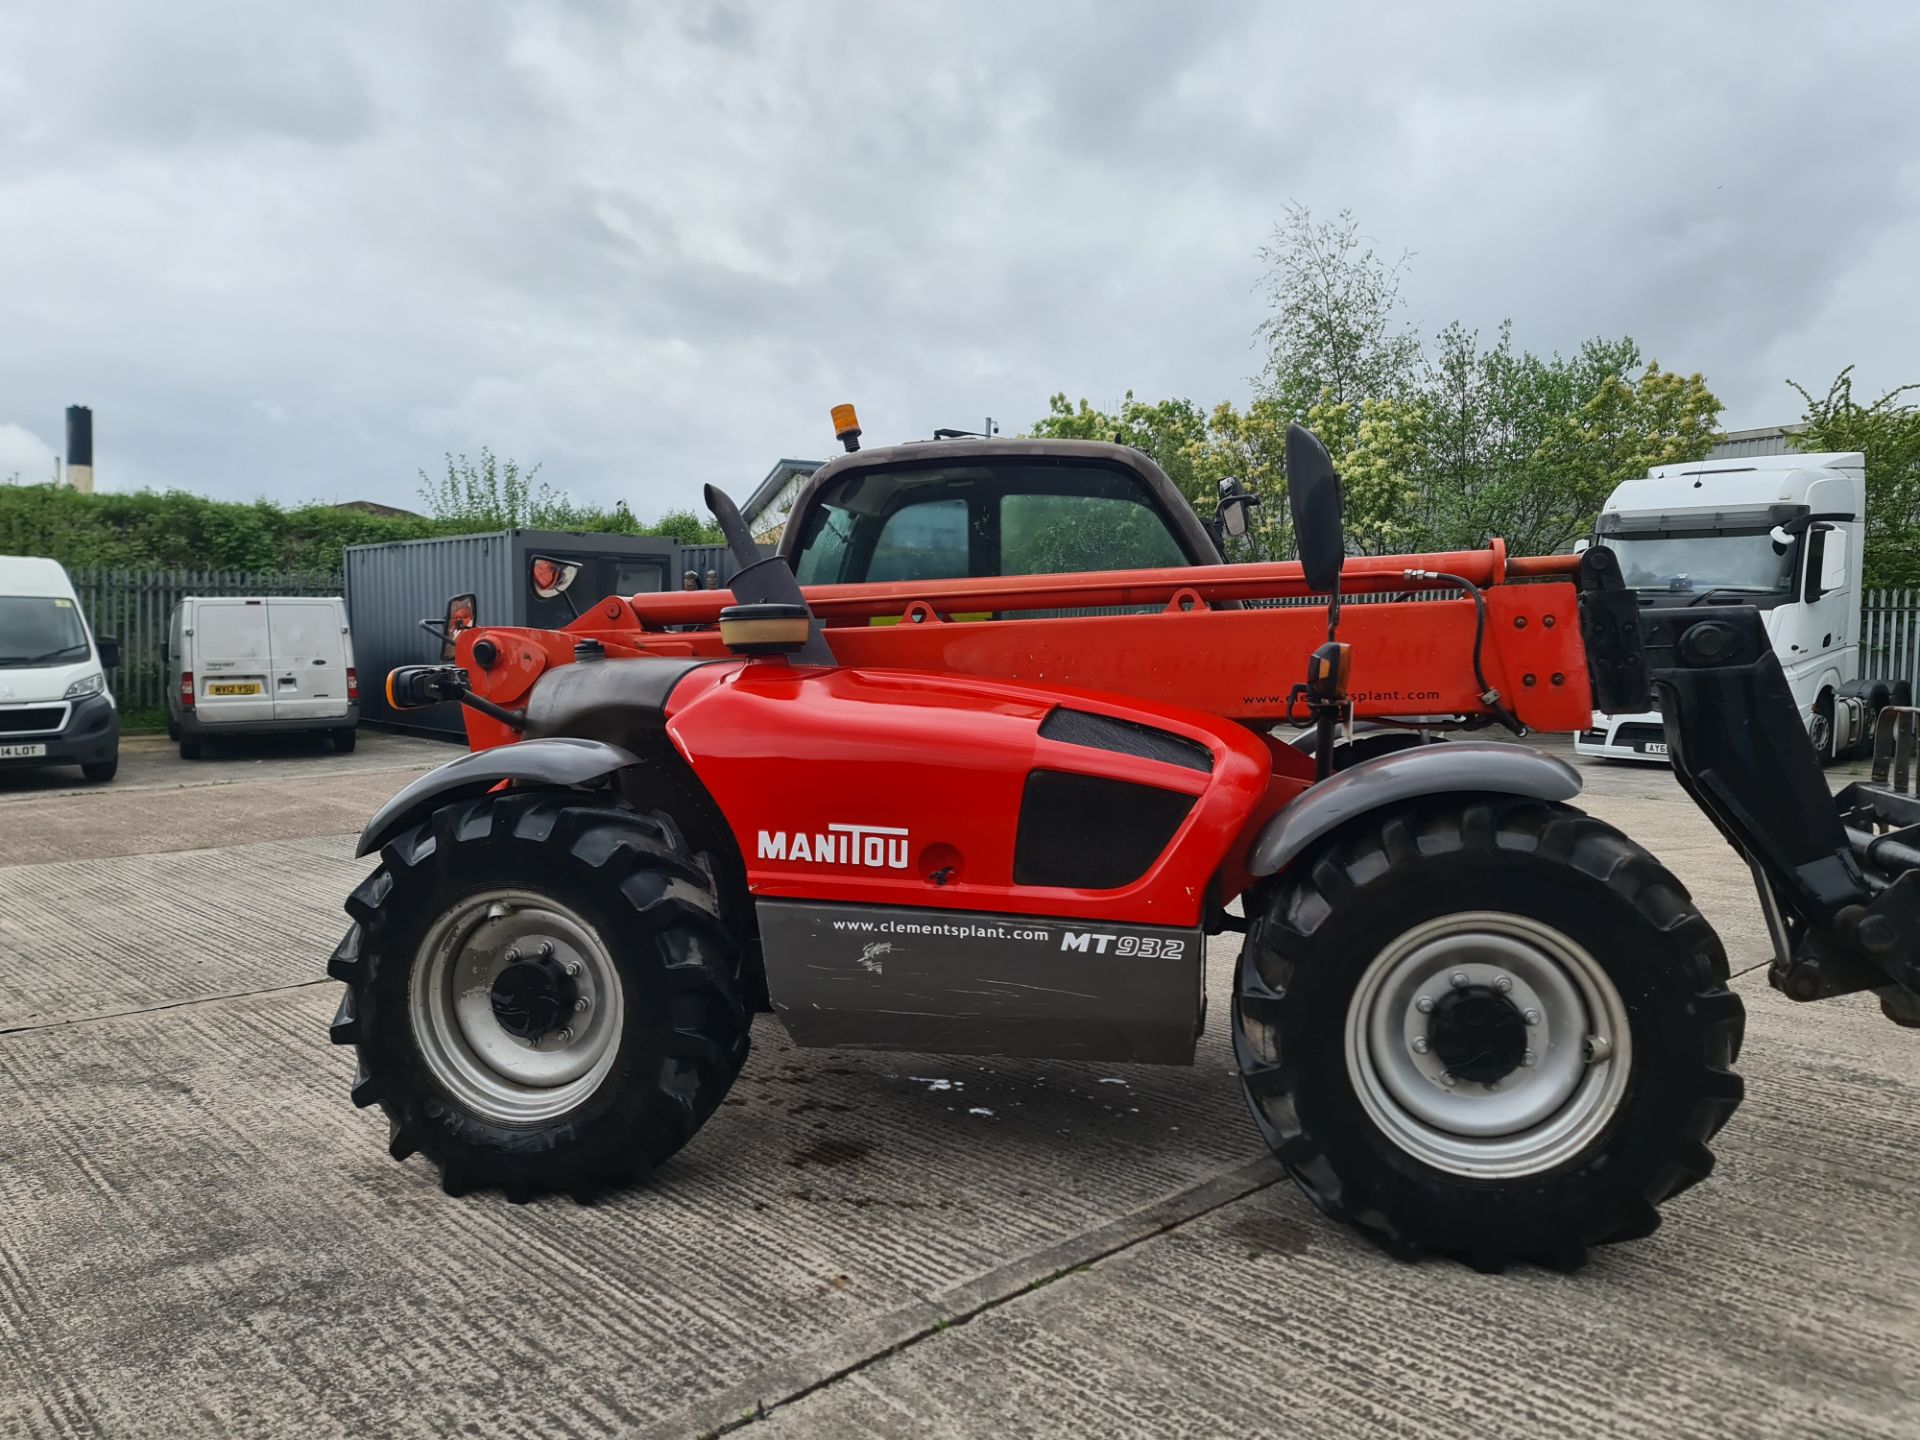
(966, 983)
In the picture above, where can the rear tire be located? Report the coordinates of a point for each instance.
(190, 747)
(345, 740)
(582, 882)
(1396, 934)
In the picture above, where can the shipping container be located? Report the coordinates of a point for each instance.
(392, 587)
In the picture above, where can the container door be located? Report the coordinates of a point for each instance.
(232, 661)
(309, 659)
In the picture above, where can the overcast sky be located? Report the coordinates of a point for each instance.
(300, 250)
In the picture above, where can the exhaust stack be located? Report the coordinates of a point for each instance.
(80, 448)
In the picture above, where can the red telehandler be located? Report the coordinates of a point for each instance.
(945, 809)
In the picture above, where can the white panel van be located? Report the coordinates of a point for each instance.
(260, 665)
(55, 707)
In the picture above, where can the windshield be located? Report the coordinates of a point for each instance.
(1695, 564)
(40, 630)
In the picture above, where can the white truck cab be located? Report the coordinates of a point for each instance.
(55, 707)
(257, 665)
(1780, 532)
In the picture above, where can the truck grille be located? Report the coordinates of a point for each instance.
(23, 722)
(1640, 734)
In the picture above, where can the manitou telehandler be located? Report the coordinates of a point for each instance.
(947, 809)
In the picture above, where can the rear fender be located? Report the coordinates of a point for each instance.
(1460, 767)
(558, 761)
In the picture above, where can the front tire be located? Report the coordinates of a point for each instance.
(540, 993)
(1488, 1028)
(101, 771)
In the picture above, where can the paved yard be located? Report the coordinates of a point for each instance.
(199, 1236)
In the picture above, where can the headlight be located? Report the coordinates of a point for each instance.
(88, 685)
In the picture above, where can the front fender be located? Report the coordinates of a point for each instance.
(558, 760)
(1461, 766)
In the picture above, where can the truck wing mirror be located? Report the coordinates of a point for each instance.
(109, 649)
(1313, 495)
(1580, 547)
(550, 577)
(1233, 506)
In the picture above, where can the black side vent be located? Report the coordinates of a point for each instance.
(1124, 737)
(1091, 833)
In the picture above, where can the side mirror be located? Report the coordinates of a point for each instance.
(1313, 494)
(551, 577)
(109, 649)
(1233, 506)
(462, 614)
(1826, 561)
(1580, 547)
(1782, 539)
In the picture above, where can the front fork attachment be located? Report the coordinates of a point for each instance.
(1841, 914)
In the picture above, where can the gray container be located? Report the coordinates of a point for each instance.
(392, 587)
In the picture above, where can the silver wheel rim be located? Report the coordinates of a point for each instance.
(1542, 1114)
(480, 1065)
(1822, 733)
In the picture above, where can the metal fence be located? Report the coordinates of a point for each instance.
(1890, 635)
(134, 607)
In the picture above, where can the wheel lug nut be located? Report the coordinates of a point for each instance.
(546, 949)
(1449, 1079)
(1421, 1045)
(1532, 1017)
(512, 956)
(573, 967)
(583, 1004)
(566, 1034)
(1457, 979)
(1502, 984)
(1529, 1059)
(1424, 1004)
(1493, 1084)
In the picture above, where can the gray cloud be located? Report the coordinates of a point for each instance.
(300, 251)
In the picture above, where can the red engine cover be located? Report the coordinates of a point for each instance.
(898, 788)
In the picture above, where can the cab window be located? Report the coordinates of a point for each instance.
(947, 521)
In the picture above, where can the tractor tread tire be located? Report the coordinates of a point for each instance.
(1314, 927)
(653, 905)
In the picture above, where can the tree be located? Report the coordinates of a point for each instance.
(1334, 333)
(497, 494)
(1887, 432)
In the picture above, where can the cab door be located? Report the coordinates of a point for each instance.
(309, 658)
(232, 661)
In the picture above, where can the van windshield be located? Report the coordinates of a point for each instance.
(39, 630)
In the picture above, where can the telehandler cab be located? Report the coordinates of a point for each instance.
(1470, 1020)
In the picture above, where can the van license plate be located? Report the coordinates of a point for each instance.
(1653, 747)
(237, 687)
(22, 752)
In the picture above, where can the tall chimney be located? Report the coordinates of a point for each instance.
(80, 448)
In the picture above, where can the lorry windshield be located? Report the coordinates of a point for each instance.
(1695, 564)
(39, 630)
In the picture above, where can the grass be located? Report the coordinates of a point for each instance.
(143, 720)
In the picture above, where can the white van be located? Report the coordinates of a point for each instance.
(55, 707)
(261, 665)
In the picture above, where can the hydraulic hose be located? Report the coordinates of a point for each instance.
(1489, 696)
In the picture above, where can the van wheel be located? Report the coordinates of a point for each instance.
(173, 728)
(190, 747)
(344, 740)
(101, 771)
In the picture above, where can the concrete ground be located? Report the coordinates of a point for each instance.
(199, 1236)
